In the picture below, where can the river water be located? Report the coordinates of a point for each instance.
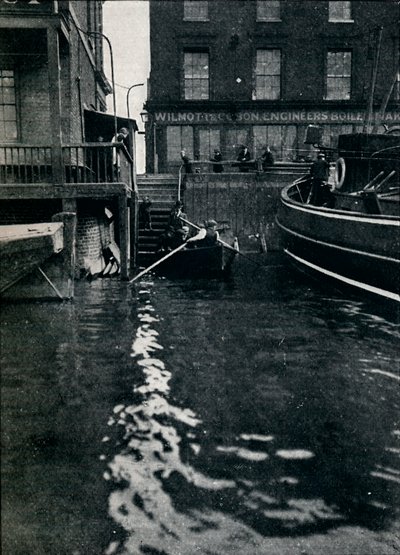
(258, 415)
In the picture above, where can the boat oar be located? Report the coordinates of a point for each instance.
(140, 274)
(237, 251)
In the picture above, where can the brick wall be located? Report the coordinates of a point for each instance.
(88, 240)
(304, 34)
(26, 51)
(94, 233)
(35, 108)
(79, 87)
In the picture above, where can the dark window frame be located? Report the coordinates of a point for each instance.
(333, 19)
(195, 50)
(16, 104)
(255, 96)
(268, 19)
(186, 17)
(351, 77)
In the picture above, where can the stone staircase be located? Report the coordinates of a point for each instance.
(162, 189)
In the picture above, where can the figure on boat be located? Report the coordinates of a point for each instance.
(320, 194)
(176, 232)
(207, 236)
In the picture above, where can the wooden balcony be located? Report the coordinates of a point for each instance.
(89, 163)
(74, 172)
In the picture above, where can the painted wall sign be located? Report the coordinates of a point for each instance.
(268, 117)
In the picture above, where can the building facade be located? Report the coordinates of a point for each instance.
(51, 69)
(258, 72)
(56, 149)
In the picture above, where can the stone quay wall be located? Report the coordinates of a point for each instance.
(246, 202)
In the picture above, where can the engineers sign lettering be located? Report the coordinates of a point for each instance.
(273, 116)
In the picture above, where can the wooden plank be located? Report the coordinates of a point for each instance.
(69, 220)
(124, 235)
(25, 247)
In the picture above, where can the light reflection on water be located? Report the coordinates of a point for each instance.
(189, 484)
(200, 417)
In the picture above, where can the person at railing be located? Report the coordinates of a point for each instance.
(122, 137)
(244, 157)
(187, 164)
(218, 167)
(267, 158)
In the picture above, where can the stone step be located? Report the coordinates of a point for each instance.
(162, 191)
(149, 245)
(158, 224)
(162, 200)
(158, 177)
(155, 185)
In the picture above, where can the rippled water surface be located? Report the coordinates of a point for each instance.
(255, 416)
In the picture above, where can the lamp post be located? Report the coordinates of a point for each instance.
(127, 96)
(147, 119)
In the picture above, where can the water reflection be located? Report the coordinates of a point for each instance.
(233, 438)
(248, 417)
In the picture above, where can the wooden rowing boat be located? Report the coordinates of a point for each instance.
(199, 262)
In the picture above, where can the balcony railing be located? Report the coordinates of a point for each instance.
(25, 164)
(81, 163)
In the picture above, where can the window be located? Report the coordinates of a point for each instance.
(234, 139)
(209, 139)
(196, 76)
(338, 75)
(340, 11)
(268, 10)
(195, 10)
(282, 140)
(179, 137)
(268, 75)
(8, 106)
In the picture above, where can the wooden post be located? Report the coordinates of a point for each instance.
(369, 114)
(55, 104)
(134, 227)
(124, 234)
(68, 254)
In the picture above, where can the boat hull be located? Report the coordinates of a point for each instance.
(198, 262)
(357, 249)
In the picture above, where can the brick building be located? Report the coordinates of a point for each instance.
(52, 102)
(257, 72)
(33, 35)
